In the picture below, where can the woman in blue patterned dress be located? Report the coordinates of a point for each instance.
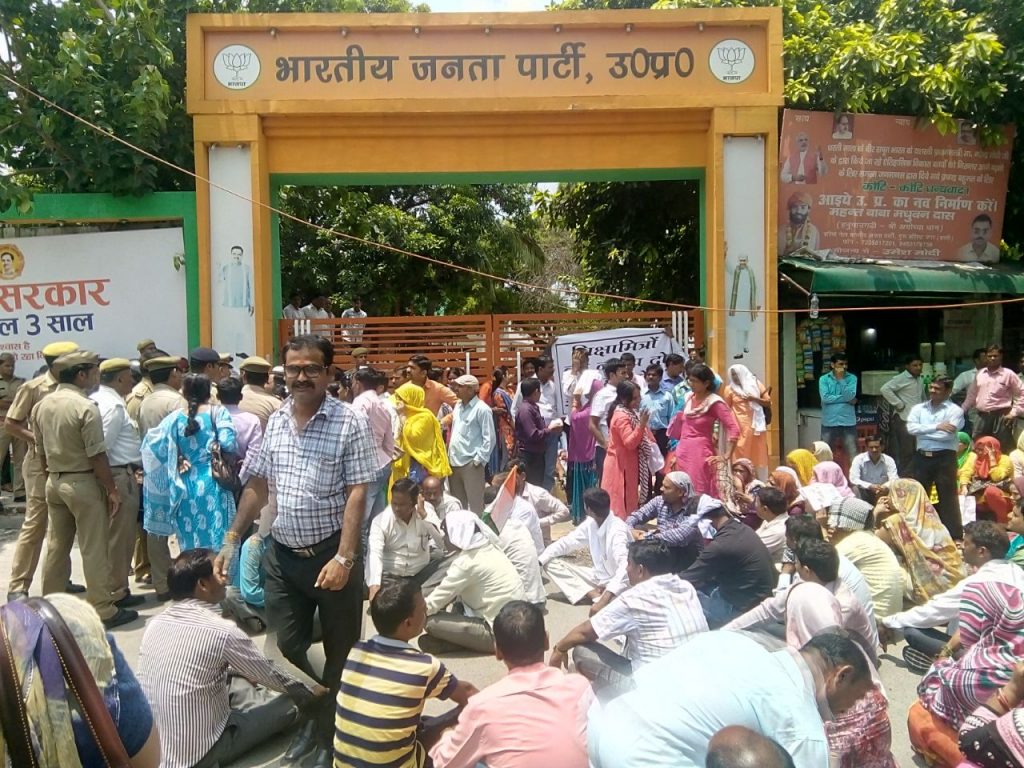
(200, 510)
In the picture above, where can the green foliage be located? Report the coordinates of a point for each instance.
(489, 227)
(633, 239)
(121, 65)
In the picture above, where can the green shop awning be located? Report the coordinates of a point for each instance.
(833, 277)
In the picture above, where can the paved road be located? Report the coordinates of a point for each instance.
(899, 682)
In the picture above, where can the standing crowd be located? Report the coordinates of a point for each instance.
(295, 494)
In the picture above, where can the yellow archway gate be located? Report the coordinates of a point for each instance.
(377, 98)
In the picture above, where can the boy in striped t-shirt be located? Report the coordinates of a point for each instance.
(386, 683)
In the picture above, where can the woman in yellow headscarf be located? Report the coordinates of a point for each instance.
(802, 462)
(421, 442)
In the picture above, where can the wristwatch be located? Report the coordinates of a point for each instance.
(345, 562)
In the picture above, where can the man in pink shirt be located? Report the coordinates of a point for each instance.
(535, 716)
(367, 402)
(996, 393)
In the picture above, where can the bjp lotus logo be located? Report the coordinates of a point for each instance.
(731, 61)
(236, 67)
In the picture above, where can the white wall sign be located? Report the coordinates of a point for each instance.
(105, 291)
(234, 329)
(744, 190)
(648, 345)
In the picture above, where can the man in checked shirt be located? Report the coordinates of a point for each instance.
(318, 452)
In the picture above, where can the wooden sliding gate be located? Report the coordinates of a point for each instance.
(479, 343)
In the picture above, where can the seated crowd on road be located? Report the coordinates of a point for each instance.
(742, 608)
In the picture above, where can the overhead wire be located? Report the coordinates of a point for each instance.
(450, 265)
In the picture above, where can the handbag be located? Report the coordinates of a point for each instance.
(79, 680)
(224, 465)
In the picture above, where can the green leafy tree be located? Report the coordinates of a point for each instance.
(488, 226)
(121, 65)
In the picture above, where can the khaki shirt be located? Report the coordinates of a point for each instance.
(256, 401)
(27, 397)
(134, 400)
(68, 430)
(8, 389)
(158, 403)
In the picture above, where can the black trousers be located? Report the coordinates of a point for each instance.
(291, 602)
(940, 468)
(993, 424)
(534, 467)
(928, 641)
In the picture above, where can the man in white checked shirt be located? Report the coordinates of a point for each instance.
(655, 615)
(319, 454)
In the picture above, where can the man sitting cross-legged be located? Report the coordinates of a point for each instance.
(536, 716)
(386, 683)
(206, 680)
(400, 539)
(655, 615)
(607, 537)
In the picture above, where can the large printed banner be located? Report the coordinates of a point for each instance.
(648, 345)
(884, 187)
(105, 291)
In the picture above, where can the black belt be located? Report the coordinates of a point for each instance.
(129, 467)
(932, 454)
(315, 549)
(71, 472)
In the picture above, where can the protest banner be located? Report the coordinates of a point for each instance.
(103, 290)
(886, 187)
(648, 345)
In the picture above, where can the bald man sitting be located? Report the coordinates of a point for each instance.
(739, 747)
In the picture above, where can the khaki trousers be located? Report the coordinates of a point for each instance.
(33, 529)
(467, 485)
(159, 560)
(78, 506)
(18, 448)
(141, 556)
(123, 528)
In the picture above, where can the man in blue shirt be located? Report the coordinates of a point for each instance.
(838, 390)
(470, 445)
(660, 404)
(731, 679)
(675, 371)
(934, 424)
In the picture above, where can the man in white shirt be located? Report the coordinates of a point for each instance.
(871, 472)
(368, 403)
(964, 380)
(401, 538)
(293, 309)
(599, 408)
(770, 505)
(317, 309)
(121, 436)
(656, 614)
(550, 511)
(516, 540)
(903, 392)
(607, 537)
(985, 548)
(432, 489)
(353, 334)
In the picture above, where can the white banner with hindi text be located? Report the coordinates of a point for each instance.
(104, 290)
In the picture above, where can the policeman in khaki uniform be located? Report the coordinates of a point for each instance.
(33, 528)
(164, 399)
(121, 435)
(147, 351)
(255, 399)
(80, 490)
(9, 386)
